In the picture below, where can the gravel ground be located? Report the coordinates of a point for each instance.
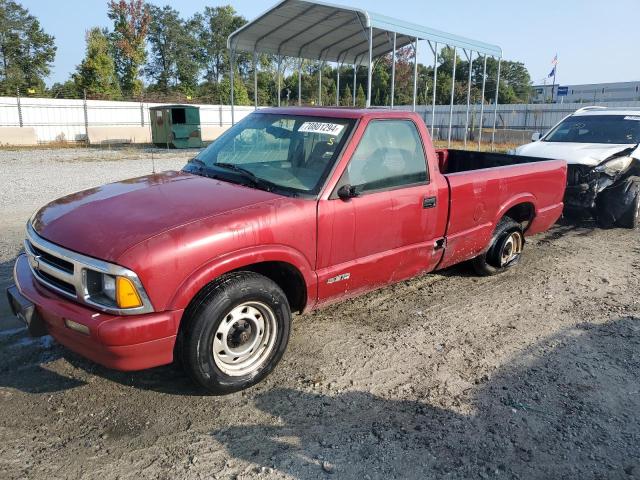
(530, 374)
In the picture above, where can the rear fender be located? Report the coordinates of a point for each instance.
(244, 258)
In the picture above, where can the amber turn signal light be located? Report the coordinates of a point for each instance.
(126, 294)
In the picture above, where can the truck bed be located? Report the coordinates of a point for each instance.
(455, 161)
(482, 186)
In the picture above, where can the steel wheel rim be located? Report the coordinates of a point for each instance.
(244, 339)
(511, 249)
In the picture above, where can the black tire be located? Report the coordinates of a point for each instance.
(213, 321)
(491, 261)
(631, 218)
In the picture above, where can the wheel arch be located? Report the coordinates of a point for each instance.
(287, 267)
(522, 209)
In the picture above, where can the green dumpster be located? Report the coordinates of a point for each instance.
(176, 126)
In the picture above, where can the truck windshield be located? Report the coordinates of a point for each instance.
(615, 129)
(282, 152)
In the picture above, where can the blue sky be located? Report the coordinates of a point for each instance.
(596, 41)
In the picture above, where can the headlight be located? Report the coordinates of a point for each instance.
(111, 290)
(615, 166)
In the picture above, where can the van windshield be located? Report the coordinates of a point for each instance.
(282, 152)
(614, 129)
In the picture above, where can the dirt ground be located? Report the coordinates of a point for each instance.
(533, 374)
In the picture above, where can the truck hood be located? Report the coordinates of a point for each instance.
(589, 154)
(104, 222)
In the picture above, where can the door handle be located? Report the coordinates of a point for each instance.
(429, 202)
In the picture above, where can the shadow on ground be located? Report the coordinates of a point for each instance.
(567, 408)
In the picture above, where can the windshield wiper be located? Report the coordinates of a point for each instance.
(198, 167)
(198, 162)
(249, 175)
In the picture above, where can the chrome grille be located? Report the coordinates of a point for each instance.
(53, 260)
(50, 269)
(65, 271)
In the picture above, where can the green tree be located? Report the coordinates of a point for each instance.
(361, 99)
(172, 43)
(347, 97)
(240, 95)
(217, 24)
(67, 89)
(130, 24)
(96, 74)
(515, 81)
(188, 58)
(26, 50)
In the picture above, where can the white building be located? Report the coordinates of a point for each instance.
(588, 93)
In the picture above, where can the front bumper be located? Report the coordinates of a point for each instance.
(133, 342)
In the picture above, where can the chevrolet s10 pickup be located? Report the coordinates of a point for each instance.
(289, 210)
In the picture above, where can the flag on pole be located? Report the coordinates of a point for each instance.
(552, 72)
(555, 60)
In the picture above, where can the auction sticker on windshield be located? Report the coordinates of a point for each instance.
(321, 127)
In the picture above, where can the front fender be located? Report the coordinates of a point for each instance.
(243, 258)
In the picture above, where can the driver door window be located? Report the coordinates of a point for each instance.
(389, 156)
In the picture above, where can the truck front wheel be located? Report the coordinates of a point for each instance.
(235, 333)
(504, 250)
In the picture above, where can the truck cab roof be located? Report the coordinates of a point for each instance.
(340, 112)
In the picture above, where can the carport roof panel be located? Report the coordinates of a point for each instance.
(316, 30)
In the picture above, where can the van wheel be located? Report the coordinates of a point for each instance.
(631, 218)
(235, 333)
(504, 251)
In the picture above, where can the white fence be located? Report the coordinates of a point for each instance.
(68, 120)
(523, 117)
(71, 120)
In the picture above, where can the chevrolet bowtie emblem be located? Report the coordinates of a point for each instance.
(35, 262)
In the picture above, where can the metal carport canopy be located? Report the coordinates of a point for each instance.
(333, 33)
(322, 31)
(326, 32)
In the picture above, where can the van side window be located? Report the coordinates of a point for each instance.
(389, 155)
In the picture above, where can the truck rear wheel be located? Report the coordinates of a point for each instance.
(235, 333)
(504, 251)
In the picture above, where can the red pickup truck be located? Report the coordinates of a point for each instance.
(289, 210)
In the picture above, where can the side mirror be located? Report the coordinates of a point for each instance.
(536, 136)
(345, 192)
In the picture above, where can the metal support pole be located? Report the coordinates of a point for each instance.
(86, 115)
(495, 107)
(319, 83)
(415, 75)
(393, 71)
(255, 79)
(279, 86)
(466, 123)
(484, 82)
(453, 87)
(354, 84)
(370, 74)
(338, 87)
(232, 64)
(435, 85)
(19, 106)
(300, 83)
